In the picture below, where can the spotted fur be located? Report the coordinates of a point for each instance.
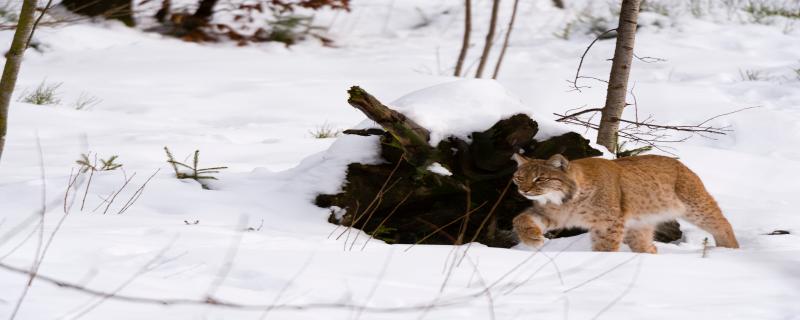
(618, 200)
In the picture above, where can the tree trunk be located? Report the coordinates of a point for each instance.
(505, 41)
(206, 9)
(618, 80)
(13, 63)
(121, 10)
(465, 42)
(487, 47)
(163, 13)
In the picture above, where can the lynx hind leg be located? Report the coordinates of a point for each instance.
(703, 211)
(530, 229)
(710, 219)
(640, 239)
(607, 237)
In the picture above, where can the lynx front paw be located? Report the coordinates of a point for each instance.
(534, 243)
(528, 231)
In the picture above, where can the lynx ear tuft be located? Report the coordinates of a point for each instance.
(559, 162)
(520, 159)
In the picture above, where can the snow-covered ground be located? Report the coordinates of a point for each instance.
(252, 109)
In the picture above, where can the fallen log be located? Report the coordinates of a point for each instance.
(455, 192)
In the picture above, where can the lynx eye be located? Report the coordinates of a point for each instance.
(542, 179)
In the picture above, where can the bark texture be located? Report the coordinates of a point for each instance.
(462, 55)
(620, 71)
(13, 63)
(487, 46)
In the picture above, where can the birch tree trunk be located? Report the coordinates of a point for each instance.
(13, 63)
(487, 47)
(465, 42)
(620, 71)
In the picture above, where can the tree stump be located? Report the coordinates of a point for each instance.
(406, 200)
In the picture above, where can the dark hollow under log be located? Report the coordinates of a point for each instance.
(401, 201)
(121, 10)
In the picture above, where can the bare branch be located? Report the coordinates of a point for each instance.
(215, 302)
(574, 82)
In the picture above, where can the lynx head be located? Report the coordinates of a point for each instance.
(544, 180)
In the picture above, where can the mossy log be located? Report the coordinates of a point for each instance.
(401, 201)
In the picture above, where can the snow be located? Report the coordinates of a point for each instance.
(437, 168)
(252, 109)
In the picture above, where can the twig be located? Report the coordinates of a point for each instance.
(36, 23)
(487, 291)
(70, 183)
(137, 194)
(216, 302)
(149, 266)
(705, 247)
(465, 223)
(286, 287)
(574, 82)
(573, 115)
(228, 260)
(552, 260)
(374, 288)
(485, 219)
(114, 196)
(36, 259)
(445, 226)
(647, 132)
(374, 209)
(89, 183)
(603, 273)
(372, 235)
(649, 59)
(625, 292)
(23, 242)
(378, 197)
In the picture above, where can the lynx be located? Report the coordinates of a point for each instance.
(618, 200)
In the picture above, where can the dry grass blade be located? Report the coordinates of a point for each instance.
(147, 267)
(445, 226)
(372, 235)
(485, 219)
(227, 264)
(602, 273)
(37, 258)
(378, 197)
(137, 194)
(375, 285)
(286, 287)
(114, 196)
(624, 292)
(214, 302)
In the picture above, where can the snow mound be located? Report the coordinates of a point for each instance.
(461, 107)
(456, 109)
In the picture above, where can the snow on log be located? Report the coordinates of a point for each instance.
(445, 166)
